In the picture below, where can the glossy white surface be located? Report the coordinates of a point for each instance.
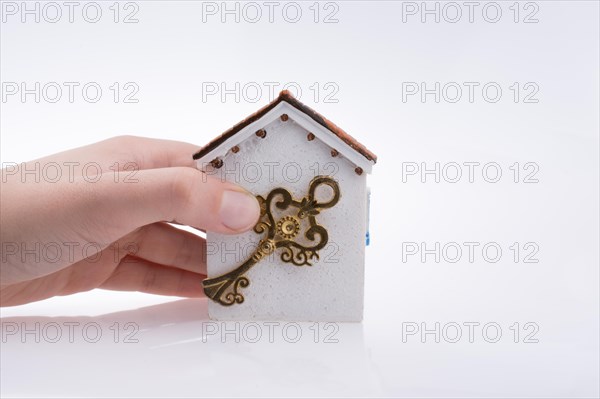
(170, 53)
(172, 356)
(172, 349)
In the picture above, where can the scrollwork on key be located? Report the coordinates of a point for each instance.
(280, 233)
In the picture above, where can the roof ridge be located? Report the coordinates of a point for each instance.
(286, 96)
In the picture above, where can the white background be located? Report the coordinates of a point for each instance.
(367, 55)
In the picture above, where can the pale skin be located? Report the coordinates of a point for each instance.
(108, 230)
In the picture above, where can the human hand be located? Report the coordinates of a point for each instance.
(102, 223)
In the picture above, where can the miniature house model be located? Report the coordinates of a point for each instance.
(304, 260)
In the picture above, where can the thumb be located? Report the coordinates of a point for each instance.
(180, 194)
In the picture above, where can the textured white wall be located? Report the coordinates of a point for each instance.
(331, 289)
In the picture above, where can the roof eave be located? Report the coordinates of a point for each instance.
(300, 117)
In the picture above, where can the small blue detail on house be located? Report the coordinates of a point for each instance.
(368, 235)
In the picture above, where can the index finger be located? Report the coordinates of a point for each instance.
(128, 153)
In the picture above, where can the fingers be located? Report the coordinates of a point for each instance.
(72, 221)
(182, 195)
(167, 245)
(144, 276)
(62, 221)
(123, 153)
(156, 244)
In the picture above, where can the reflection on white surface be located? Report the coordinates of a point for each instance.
(368, 55)
(172, 349)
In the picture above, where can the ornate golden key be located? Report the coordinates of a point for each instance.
(280, 233)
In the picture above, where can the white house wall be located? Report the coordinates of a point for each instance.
(331, 289)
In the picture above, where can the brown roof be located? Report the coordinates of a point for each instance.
(287, 97)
